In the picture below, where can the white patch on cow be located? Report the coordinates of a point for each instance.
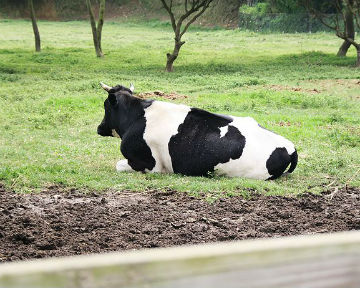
(123, 166)
(223, 131)
(114, 133)
(259, 145)
(162, 122)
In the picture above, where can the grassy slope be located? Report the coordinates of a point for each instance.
(51, 104)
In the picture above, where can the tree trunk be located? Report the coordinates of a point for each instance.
(349, 30)
(94, 30)
(100, 23)
(343, 49)
(172, 57)
(35, 27)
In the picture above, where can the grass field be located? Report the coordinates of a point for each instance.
(51, 103)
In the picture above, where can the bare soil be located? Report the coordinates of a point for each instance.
(295, 89)
(61, 221)
(157, 93)
(320, 86)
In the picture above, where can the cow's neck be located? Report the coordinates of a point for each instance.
(132, 115)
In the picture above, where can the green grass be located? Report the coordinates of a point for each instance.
(51, 103)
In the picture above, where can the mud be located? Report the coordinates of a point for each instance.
(60, 221)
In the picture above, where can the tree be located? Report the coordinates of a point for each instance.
(350, 30)
(34, 25)
(192, 10)
(96, 31)
(346, 12)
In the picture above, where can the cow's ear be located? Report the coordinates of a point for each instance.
(112, 99)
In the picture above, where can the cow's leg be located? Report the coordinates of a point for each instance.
(136, 151)
(123, 166)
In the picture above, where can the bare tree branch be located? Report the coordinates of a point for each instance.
(172, 16)
(194, 8)
(322, 18)
(194, 18)
(196, 5)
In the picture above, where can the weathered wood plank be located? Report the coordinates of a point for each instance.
(317, 261)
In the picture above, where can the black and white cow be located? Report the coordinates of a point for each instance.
(165, 137)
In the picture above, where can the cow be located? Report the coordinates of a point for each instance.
(165, 137)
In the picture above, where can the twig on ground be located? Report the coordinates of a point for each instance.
(333, 193)
(331, 183)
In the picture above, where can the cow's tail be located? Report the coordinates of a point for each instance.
(293, 161)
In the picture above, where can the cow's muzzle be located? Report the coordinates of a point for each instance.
(102, 130)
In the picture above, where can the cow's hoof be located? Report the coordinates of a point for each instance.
(122, 166)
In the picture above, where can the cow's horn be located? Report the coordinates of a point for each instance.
(105, 87)
(132, 87)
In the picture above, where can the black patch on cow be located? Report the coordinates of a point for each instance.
(133, 145)
(135, 149)
(294, 160)
(277, 162)
(197, 147)
(103, 130)
(125, 113)
(119, 88)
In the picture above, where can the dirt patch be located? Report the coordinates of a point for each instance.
(351, 86)
(288, 124)
(62, 222)
(320, 86)
(289, 88)
(168, 96)
(329, 84)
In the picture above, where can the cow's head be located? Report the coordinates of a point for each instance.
(117, 107)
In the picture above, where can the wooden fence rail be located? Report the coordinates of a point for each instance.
(314, 261)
